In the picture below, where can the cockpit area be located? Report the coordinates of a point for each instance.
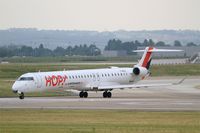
(26, 79)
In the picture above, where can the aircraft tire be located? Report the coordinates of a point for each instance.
(109, 94)
(85, 94)
(21, 96)
(105, 94)
(81, 94)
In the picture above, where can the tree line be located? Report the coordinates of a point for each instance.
(41, 51)
(82, 50)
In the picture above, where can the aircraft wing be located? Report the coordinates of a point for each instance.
(109, 87)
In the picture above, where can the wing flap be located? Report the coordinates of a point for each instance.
(108, 87)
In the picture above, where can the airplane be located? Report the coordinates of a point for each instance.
(106, 79)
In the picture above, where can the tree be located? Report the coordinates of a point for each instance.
(177, 43)
(137, 43)
(26, 51)
(94, 51)
(151, 42)
(160, 44)
(59, 51)
(145, 43)
(69, 50)
(41, 46)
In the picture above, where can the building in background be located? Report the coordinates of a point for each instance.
(114, 53)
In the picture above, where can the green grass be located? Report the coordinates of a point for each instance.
(93, 121)
(65, 59)
(14, 70)
(176, 70)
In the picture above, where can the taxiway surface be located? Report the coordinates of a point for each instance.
(183, 97)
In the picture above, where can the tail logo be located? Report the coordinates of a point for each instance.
(147, 60)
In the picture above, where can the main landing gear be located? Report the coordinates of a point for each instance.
(107, 94)
(83, 94)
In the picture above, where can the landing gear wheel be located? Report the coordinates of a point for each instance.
(81, 94)
(21, 96)
(109, 94)
(85, 94)
(104, 94)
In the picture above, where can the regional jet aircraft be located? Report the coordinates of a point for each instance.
(106, 79)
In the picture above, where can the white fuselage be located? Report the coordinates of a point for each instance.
(83, 80)
(88, 80)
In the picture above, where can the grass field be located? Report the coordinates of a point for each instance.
(94, 121)
(14, 70)
(67, 59)
(10, 72)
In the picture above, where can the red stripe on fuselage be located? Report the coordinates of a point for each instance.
(147, 57)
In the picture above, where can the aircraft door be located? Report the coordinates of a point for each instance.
(38, 80)
(97, 79)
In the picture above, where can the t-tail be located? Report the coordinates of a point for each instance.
(146, 58)
(142, 68)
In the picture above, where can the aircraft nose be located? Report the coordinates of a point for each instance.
(15, 87)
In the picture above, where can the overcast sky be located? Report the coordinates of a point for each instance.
(100, 14)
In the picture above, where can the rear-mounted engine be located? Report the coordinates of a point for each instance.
(140, 71)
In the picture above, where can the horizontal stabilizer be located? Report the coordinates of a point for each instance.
(159, 50)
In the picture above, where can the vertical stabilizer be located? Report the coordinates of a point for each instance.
(146, 58)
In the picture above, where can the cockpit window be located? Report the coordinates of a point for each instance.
(26, 79)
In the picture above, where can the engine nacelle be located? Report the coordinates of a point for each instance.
(140, 71)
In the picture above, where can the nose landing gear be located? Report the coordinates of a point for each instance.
(21, 96)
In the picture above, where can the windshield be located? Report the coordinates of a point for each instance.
(25, 79)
